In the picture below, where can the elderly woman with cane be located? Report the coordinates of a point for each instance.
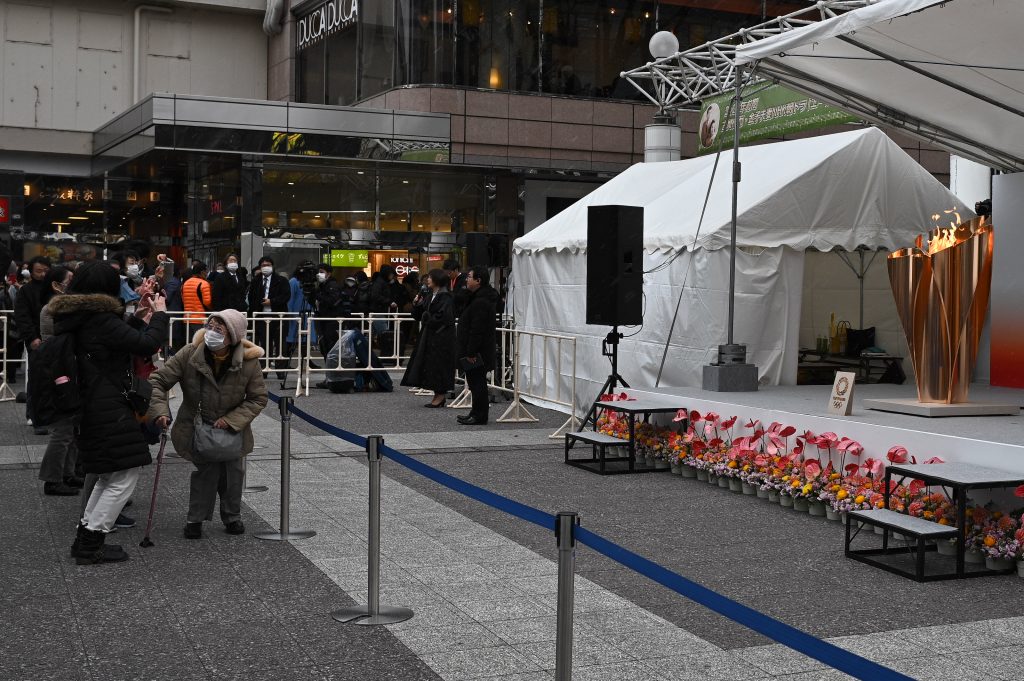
(222, 393)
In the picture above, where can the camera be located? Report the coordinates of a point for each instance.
(306, 274)
(424, 290)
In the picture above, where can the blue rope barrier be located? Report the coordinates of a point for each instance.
(492, 499)
(831, 655)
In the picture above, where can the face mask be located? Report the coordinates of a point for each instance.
(214, 340)
(220, 271)
(321, 277)
(232, 266)
(133, 270)
(266, 270)
(26, 274)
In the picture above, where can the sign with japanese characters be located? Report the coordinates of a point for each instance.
(773, 111)
(350, 258)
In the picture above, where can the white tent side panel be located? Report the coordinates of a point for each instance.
(550, 297)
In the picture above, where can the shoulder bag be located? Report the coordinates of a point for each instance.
(214, 445)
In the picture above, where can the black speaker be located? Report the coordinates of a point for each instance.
(476, 250)
(615, 247)
(497, 250)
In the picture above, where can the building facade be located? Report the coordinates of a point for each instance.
(386, 133)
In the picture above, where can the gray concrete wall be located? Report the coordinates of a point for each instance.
(68, 65)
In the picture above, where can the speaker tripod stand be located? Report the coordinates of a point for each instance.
(610, 349)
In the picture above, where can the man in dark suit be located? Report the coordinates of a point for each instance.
(268, 292)
(476, 342)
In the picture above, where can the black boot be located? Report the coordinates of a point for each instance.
(91, 549)
(111, 550)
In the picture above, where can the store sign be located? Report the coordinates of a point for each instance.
(771, 112)
(350, 258)
(5, 210)
(404, 266)
(325, 20)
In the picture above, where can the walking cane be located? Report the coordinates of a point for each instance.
(146, 541)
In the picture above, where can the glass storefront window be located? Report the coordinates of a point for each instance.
(568, 47)
(421, 202)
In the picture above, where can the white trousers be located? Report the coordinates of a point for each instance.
(108, 498)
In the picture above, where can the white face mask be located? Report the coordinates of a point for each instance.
(133, 270)
(232, 266)
(26, 274)
(220, 271)
(321, 277)
(213, 339)
(267, 270)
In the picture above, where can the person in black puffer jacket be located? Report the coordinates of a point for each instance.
(110, 440)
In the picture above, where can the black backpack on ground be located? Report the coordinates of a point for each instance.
(54, 389)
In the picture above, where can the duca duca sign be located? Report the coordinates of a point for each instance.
(325, 20)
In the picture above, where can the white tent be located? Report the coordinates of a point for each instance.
(850, 190)
(950, 72)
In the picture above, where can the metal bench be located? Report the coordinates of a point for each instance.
(599, 443)
(916, 528)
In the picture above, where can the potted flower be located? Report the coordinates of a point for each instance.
(999, 543)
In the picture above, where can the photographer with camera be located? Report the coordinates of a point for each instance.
(302, 301)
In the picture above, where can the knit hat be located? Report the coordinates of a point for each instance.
(235, 321)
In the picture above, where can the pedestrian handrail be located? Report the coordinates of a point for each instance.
(800, 641)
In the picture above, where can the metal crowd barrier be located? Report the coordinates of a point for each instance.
(6, 393)
(563, 349)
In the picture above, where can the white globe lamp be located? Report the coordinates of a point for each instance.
(663, 44)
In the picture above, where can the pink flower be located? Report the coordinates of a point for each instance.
(897, 454)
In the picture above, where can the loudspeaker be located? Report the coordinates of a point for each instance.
(615, 247)
(497, 250)
(476, 250)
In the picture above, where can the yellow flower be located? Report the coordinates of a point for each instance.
(859, 499)
(835, 488)
(746, 468)
(733, 464)
(808, 488)
(842, 494)
(834, 476)
(794, 483)
(786, 478)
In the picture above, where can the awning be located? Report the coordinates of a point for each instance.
(949, 71)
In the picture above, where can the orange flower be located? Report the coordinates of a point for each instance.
(990, 540)
(943, 521)
(842, 494)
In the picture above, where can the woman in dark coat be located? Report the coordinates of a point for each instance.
(432, 365)
(110, 440)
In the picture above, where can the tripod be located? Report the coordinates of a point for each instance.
(610, 349)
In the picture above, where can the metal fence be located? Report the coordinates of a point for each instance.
(7, 361)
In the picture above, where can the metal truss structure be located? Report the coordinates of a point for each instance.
(687, 77)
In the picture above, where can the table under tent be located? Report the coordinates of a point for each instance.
(801, 202)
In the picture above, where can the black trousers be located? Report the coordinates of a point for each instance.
(476, 381)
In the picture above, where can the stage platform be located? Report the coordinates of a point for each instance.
(994, 441)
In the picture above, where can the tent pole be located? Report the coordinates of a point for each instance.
(735, 200)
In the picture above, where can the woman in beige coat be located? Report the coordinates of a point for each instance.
(221, 371)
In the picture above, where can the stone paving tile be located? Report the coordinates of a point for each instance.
(706, 666)
(882, 646)
(459, 665)
(663, 641)
(778, 660)
(936, 668)
(586, 652)
(996, 663)
(533, 629)
(623, 671)
(458, 636)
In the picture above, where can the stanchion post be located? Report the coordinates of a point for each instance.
(565, 536)
(373, 612)
(286, 532)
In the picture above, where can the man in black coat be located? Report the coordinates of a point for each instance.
(458, 285)
(27, 305)
(269, 292)
(230, 289)
(476, 341)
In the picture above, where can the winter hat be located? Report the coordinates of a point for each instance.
(235, 321)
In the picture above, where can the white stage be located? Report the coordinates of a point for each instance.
(993, 441)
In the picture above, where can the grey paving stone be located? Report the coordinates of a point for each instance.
(958, 638)
(936, 668)
(778, 660)
(623, 671)
(533, 629)
(663, 641)
(705, 667)
(438, 638)
(882, 646)
(512, 608)
(586, 652)
(459, 665)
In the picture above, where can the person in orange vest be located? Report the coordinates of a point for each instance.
(196, 298)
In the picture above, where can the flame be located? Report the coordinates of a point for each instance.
(942, 238)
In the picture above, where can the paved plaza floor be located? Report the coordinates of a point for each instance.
(481, 583)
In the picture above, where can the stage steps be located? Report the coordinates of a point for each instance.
(600, 443)
(918, 529)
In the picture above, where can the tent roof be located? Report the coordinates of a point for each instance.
(951, 71)
(846, 190)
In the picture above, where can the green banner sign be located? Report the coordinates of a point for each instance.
(770, 112)
(350, 258)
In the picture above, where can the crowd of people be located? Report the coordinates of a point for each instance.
(115, 312)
